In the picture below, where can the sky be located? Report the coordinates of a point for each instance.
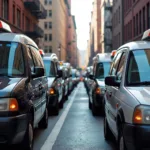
(82, 11)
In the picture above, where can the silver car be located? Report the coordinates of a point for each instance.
(127, 97)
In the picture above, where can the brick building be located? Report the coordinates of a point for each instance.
(22, 16)
(136, 19)
(117, 24)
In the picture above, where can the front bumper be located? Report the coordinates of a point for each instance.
(52, 100)
(12, 129)
(136, 136)
(98, 100)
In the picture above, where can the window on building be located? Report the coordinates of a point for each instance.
(27, 24)
(148, 16)
(134, 26)
(14, 15)
(119, 14)
(46, 49)
(50, 37)
(45, 25)
(50, 2)
(50, 25)
(45, 2)
(50, 49)
(137, 24)
(50, 13)
(144, 19)
(45, 37)
(5, 9)
(140, 22)
(18, 18)
(23, 21)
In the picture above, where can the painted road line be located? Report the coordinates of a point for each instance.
(50, 141)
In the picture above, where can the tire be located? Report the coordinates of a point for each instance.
(95, 111)
(107, 131)
(27, 143)
(121, 143)
(55, 109)
(90, 105)
(61, 104)
(44, 122)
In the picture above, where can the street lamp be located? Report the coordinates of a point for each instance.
(59, 51)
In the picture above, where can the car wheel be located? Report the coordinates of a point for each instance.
(55, 109)
(61, 104)
(27, 143)
(44, 122)
(90, 105)
(122, 143)
(95, 111)
(107, 131)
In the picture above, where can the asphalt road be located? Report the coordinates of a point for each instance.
(74, 128)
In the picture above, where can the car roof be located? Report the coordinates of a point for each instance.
(20, 38)
(136, 45)
(102, 57)
(51, 57)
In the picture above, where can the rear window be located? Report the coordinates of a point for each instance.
(102, 70)
(11, 59)
(49, 68)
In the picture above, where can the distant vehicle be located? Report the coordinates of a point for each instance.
(23, 87)
(127, 98)
(55, 87)
(101, 67)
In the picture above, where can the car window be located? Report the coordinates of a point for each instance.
(139, 67)
(11, 59)
(115, 64)
(102, 70)
(30, 60)
(121, 67)
(36, 57)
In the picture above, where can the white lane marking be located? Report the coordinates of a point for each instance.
(50, 141)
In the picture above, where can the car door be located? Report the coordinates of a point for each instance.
(42, 80)
(115, 100)
(109, 95)
(34, 82)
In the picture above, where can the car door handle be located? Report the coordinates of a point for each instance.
(110, 94)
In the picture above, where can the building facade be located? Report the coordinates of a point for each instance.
(117, 24)
(106, 26)
(55, 27)
(136, 19)
(22, 16)
(94, 45)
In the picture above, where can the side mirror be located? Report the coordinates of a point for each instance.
(38, 72)
(59, 74)
(91, 77)
(111, 81)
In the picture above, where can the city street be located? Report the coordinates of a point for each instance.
(80, 129)
(74, 129)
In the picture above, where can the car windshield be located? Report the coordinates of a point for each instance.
(103, 70)
(139, 67)
(11, 59)
(48, 68)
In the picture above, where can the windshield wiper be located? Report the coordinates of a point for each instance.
(6, 75)
(141, 83)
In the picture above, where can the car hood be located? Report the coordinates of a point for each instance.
(7, 85)
(101, 83)
(142, 94)
(50, 81)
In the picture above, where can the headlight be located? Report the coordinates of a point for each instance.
(8, 104)
(141, 115)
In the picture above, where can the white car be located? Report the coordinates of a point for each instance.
(127, 97)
